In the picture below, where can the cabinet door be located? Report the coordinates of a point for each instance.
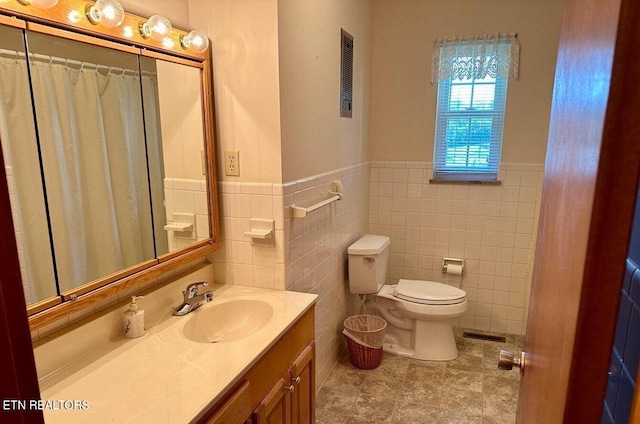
(275, 408)
(303, 373)
(234, 410)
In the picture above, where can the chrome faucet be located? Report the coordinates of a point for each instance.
(193, 300)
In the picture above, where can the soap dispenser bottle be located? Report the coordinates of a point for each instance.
(134, 319)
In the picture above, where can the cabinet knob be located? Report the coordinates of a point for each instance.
(296, 380)
(291, 388)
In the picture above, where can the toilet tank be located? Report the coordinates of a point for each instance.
(368, 264)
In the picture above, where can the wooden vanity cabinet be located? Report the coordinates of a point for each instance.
(279, 388)
(302, 375)
(276, 405)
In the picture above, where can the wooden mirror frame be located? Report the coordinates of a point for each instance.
(67, 19)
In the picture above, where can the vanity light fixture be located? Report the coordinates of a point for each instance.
(74, 16)
(156, 27)
(109, 13)
(127, 31)
(195, 40)
(167, 42)
(40, 4)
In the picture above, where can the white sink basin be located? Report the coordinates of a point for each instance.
(228, 321)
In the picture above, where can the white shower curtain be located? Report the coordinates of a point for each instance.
(92, 143)
(20, 150)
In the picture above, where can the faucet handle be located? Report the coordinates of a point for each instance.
(192, 289)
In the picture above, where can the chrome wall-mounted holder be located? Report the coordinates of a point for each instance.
(452, 261)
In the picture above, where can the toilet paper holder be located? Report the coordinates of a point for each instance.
(452, 261)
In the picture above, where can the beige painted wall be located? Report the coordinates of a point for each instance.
(177, 11)
(404, 102)
(244, 36)
(315, 139)
(181, 120)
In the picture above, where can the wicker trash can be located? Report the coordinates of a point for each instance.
(365, 336)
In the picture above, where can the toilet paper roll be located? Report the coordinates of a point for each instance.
(453, 269)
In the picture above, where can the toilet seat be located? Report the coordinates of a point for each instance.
(428, 292)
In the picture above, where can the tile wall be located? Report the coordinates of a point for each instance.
(308, 254)
(238, 261)
(625, 355)
(186, 196)
(492, 227)
(316, 251)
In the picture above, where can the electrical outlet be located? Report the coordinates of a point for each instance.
(232, 163)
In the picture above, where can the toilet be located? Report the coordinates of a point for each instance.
(418, 313)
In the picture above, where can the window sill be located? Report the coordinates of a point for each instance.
(469, 182)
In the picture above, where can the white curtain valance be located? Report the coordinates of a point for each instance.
(496, 55)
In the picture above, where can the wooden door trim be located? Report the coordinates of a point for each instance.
(17, 364)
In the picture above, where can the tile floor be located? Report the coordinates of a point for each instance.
(467, 390)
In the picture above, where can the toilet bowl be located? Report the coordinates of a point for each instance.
(419, 313)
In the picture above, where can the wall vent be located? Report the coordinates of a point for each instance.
(480, 336)
(346, 74)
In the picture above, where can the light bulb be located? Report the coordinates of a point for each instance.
(112, 12)
(127, 31)
(40, 4)
(74, 16)
(106, 12)
(157, 27)
(167, 43)
(195, 40)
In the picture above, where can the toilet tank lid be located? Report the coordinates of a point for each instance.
(369, 245)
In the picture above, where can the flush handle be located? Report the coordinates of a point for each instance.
(370, 259)
(508, 360)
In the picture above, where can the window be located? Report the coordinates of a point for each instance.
(472, 77)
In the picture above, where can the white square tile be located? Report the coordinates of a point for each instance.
(399, 189)
(264, 277)
(517, 299)
(503, 269)
(399, 205)
(477, 193)
(202, 227)
(386, 175)
(482, 323)
(515, 314)
(416, 175)
(526, 210)
(262, 206)
(183, 201)
(515, 327)
(201, 203)
(499, 325)
(400, 175)
(502, 283)
(501, 298)
(257, 188)
(483, 309)
(414, 190)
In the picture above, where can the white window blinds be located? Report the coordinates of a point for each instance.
(472, 75)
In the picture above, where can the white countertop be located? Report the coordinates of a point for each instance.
(163, 377)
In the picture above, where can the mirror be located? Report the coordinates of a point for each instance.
(105, 148)
(173, 117)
